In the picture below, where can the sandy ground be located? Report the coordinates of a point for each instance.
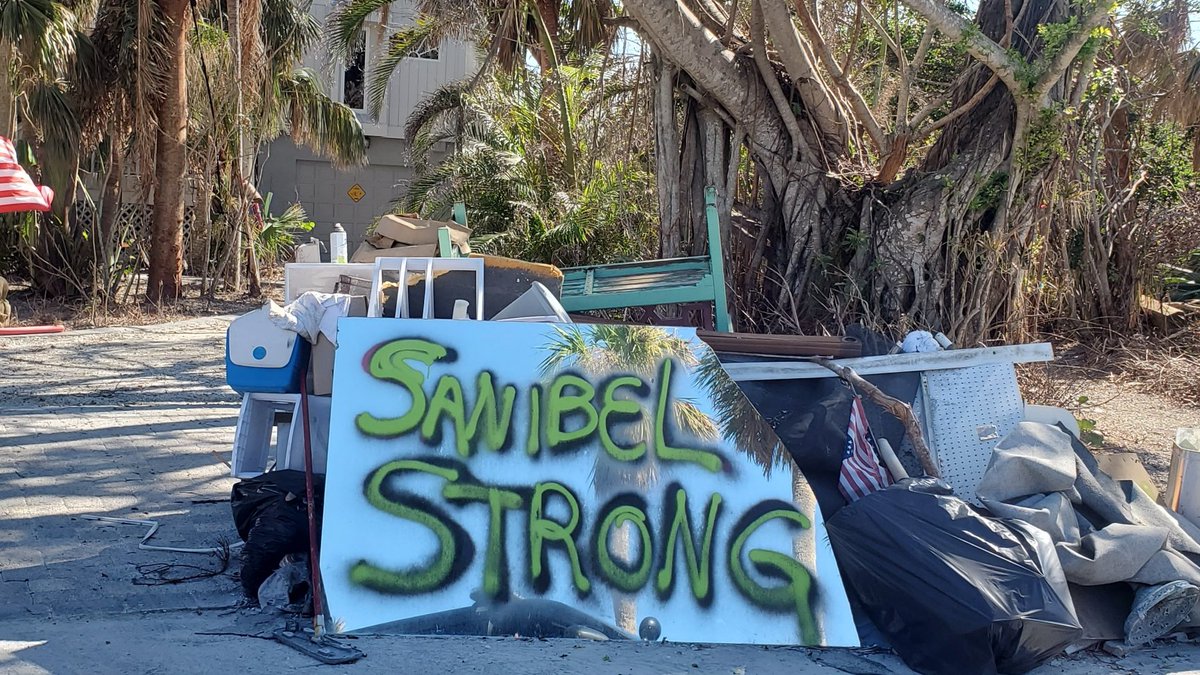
(129, 422)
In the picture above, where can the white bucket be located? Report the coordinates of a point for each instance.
(1183, 484)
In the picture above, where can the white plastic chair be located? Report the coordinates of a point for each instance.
(428, 267)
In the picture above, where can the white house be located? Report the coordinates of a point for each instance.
(356, 197)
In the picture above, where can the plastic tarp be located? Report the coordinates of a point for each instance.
(952, 590)
(1104, 531)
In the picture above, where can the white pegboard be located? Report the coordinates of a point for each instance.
(966, 412)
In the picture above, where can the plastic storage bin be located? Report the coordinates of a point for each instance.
(262, 357)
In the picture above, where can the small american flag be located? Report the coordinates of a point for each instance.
(861, 472)
(17, 191)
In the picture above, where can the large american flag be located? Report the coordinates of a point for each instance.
(861, 472)
(17, 191)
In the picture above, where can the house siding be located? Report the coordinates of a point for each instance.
(295, 175)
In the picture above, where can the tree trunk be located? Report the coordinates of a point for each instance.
(8, 100)
(939, 248)
(666, 158)
(110, 209)
(165, 280)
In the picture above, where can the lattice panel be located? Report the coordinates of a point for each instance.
(133, 219)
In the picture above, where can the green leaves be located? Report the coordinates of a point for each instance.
(43, 32)
(326, 126)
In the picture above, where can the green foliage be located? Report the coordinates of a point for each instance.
(1056, 35)
(1166, 159)
(509, 168)
(278, 237)
(991, 193)
(1044, 139)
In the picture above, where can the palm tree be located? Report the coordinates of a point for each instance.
(601, 351)
(277, 98)
(37, 43)
(508, 167)
(165, 279)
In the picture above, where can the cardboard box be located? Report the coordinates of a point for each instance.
(379, 241)
(415, 231)
(366, 253)
(323, 352)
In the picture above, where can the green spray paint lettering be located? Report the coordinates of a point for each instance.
(666, 452)
(455, 550)
(561, 405)
(389, 362)
(499, 500)
(612, 406)
(794, 595)
(488, 419)
(533, 440)
(623, 509)
(543, 530)
(699, 564)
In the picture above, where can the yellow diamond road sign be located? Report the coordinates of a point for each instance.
(356, 192)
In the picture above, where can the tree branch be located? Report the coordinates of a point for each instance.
(862, 111)
(898, 409)
(818, 100)
(908, 72)
(978, 45)
(956, 113)
(679, 36)
(758, 40)
(1058, 65)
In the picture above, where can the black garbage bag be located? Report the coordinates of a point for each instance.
(271, 516)
(953, 591)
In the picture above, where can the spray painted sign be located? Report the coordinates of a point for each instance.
(590, 475)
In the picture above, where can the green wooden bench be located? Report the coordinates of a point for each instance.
(642, 285)
(651, 283)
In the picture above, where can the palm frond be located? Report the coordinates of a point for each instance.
(43, 32)
(694, 422)
(326, 126)
(344, 26)
(288, 32)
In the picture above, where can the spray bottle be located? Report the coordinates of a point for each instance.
(337, 244)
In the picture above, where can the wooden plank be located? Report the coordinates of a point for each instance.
(622, 268)
(716, 260)
(581, 303)
(894, 363)
(781, 345)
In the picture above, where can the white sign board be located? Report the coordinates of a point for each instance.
(511, 477)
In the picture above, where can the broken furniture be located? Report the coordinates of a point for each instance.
(428, 268)
(267, 436)
(967, 400)
(262, 357)
(646, 285)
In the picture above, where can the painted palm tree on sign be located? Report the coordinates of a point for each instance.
(601, 351)
(745, 428)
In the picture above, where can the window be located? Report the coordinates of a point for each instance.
(354, 77)
(418, 51)
(421, 52)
